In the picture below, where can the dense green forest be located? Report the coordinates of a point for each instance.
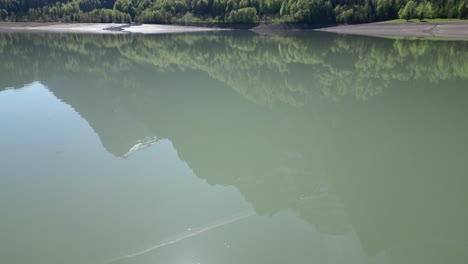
(229, 11)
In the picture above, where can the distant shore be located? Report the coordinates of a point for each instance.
(448, 30)
(102, 28)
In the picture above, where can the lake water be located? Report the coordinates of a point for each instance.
(232, 148)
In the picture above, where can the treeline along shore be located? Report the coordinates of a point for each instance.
(229, 11)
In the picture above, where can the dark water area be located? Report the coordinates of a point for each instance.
(232, 148)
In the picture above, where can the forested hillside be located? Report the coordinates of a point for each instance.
(229, 11)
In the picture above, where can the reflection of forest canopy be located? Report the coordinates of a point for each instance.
(266, 70)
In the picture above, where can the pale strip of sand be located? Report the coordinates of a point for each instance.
(101, 28)
(166, 29)
(446, 30)
(59, 27)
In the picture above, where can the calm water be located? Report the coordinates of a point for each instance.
(232, 148)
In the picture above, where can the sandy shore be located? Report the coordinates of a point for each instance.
(160, 29)
(102, 28)
(450, 30)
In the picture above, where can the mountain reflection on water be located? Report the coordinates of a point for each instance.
(352, 134)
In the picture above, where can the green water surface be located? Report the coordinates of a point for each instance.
(232, 148)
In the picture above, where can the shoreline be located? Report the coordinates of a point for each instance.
(442, 30)
(102, 28)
